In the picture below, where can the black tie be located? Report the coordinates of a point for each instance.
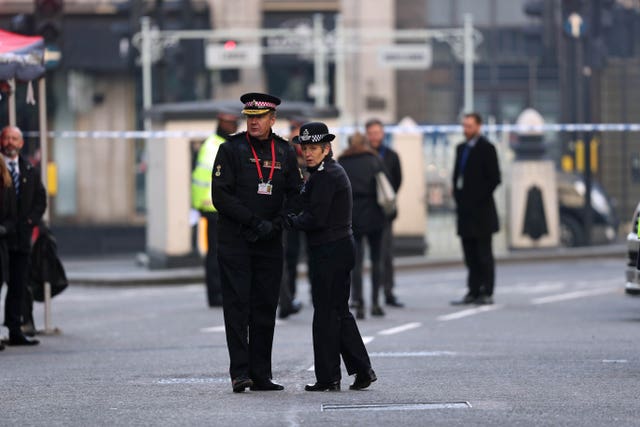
(15, 176)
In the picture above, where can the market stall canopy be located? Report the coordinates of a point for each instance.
(21, 57)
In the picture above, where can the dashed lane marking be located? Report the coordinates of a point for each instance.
(394, 406)
(469, 312)
(213, 329)
(414, 354)
(367, 340)
(401, 328)
(572, 295)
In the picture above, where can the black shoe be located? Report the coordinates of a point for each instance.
(360, 313)
(21, 339)
(294, 308)
(267, 385)
(331, 386)
(467, 300)
(392, 301)
(240, 384)
(484, 300)
(363, 380)
(376, 310)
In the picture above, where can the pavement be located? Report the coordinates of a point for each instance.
(130, 269)
(559, 348)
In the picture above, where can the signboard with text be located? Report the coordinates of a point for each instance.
(406, 56)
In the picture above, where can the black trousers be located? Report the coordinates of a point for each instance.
(374, 238)
(211, 268)
(335, 332)
(386, 258)
(291, 256)
(478, 257)
(18, 276)
(250, 274)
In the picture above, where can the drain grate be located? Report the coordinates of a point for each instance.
(394, 406)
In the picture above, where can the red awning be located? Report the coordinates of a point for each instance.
(21, 57)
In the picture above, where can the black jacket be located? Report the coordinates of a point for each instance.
(327, 204)
(391, 163)
(361, 168)
(477, 215)
(32, 202)
(8, 219)
(234, 187)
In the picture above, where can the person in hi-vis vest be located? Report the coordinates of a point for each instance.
(201, 200)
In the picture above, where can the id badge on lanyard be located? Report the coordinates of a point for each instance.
(264, 188)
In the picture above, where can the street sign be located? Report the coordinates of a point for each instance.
(219, 57)
(574, 26)
(406, 56)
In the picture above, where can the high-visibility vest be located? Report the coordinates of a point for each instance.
(201, 175)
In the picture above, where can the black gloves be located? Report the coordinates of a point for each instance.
(260, 230)
(264, 229)
(289, 221)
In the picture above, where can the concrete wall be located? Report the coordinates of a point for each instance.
(105, 167)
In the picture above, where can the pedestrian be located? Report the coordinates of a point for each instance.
(31, 202)
(362, 164)
(476, 176)
(375, 135)
(288, 303)
(201, 200)
(8, 218)
(256, 182)
(326, 219)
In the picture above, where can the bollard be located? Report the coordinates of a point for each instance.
(48, 329)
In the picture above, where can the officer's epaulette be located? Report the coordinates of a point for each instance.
(236, 135)
(280, 138)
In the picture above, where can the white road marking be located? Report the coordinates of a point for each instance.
(469, 312)
(401, 328)
(572, 295)
(213, 329)
(312, 368)
(367, 340)
(414, 354)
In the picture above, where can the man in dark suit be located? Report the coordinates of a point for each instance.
(475, 177)
(32, 202)
(375, 135)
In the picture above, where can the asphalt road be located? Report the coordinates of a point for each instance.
(560, 347)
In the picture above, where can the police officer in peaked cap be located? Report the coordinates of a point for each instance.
(326, 219)
(256, 183)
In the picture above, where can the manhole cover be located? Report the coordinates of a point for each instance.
(394, 406)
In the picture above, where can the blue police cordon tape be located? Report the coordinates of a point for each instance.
(424, 129)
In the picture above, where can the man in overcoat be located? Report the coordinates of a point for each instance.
(475, 178)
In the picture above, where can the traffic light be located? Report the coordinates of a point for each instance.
(538, 33)
(229, 75)
(48, 19)
(534, 9)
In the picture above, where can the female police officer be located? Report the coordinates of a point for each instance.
(326, 219)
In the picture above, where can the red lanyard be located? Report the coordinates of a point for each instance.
(273, 160)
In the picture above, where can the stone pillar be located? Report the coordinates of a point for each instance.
(410, 226)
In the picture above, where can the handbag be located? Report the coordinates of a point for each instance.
(386, 195)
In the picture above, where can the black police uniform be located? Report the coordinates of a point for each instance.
(326, 219)
(250, 269)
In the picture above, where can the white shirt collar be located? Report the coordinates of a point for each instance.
(16, 160)
(472, 142)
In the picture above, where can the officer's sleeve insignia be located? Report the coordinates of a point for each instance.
(218, 170)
